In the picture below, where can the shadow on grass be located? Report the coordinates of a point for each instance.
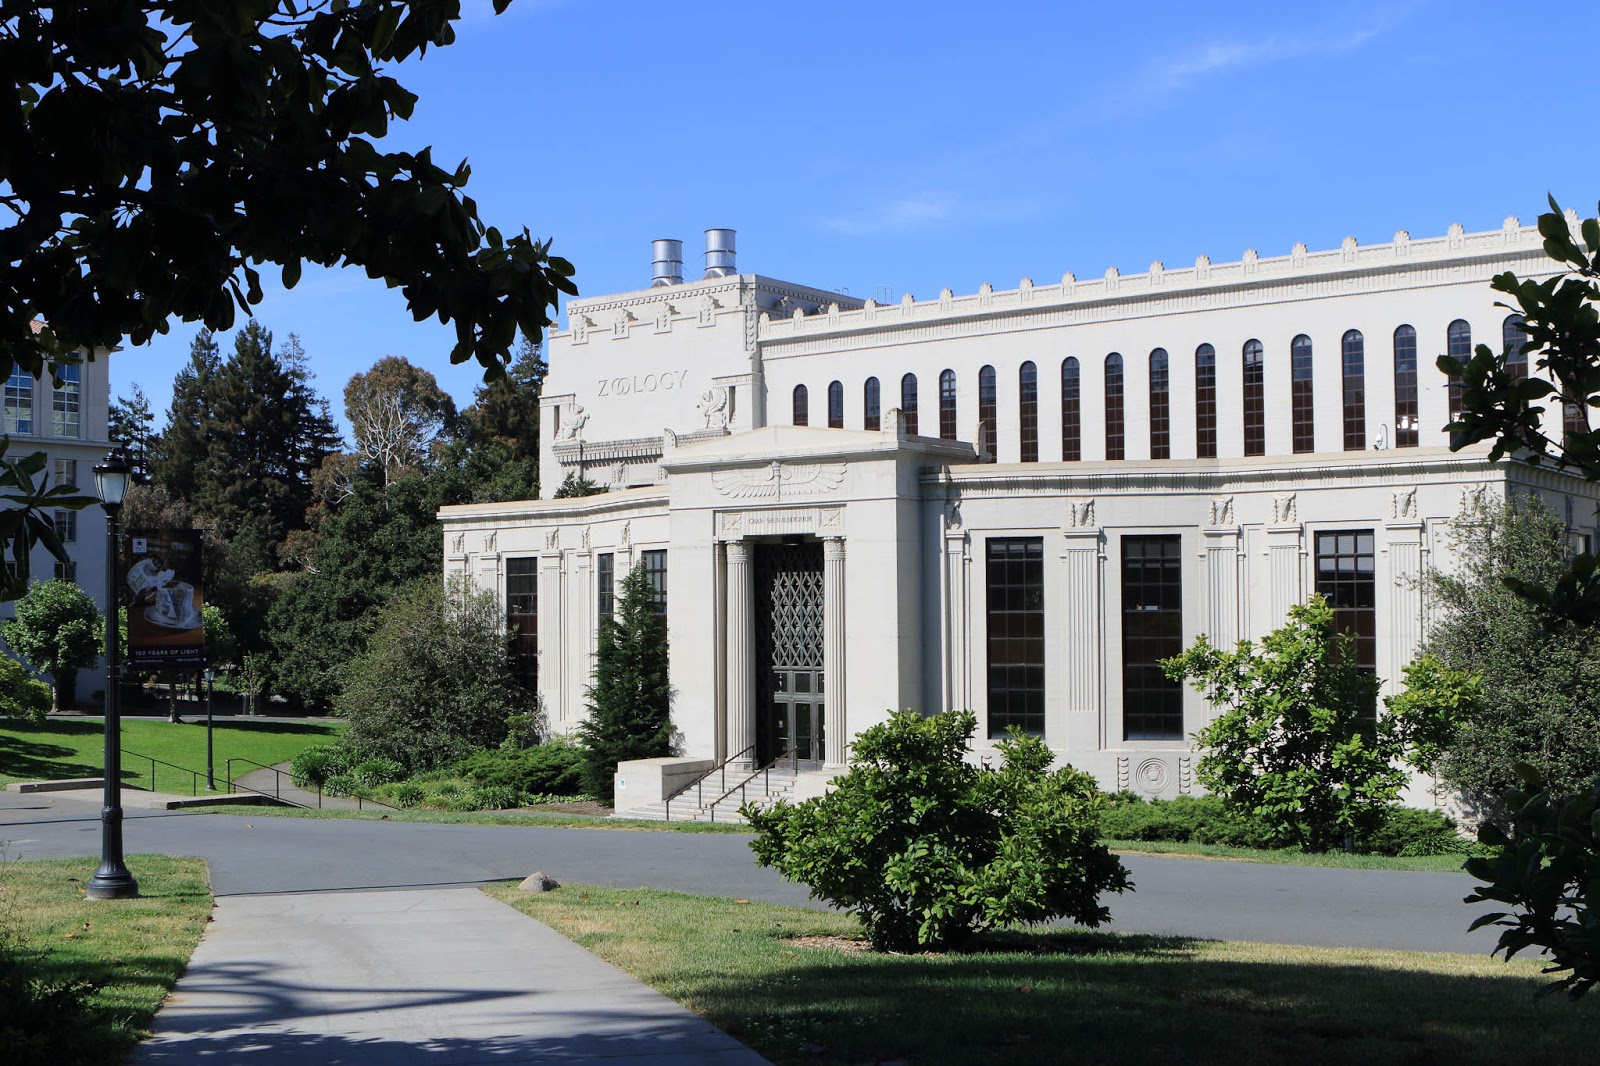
(1092, 998)
(22, 754)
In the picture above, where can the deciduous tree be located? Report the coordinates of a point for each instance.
(57, 630)
(397, 412)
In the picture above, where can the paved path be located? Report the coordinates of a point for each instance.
(446, 977)
(263, 854)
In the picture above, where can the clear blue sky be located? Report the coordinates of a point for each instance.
(917, 146)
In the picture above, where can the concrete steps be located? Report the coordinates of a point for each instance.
(763, 791)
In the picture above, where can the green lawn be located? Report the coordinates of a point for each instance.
(125, 953)
(794, 985)
(71, 747)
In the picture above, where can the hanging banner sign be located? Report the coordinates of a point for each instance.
(161, 592)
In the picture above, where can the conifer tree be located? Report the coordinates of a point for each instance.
(630, 702)
(182, 445)
(131, 422)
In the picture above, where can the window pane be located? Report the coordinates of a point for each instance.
(1160, 413)
(1205, 401)
(947, 405)
(988, 413)
(1303, 418)
(1071, 417)
(1458, 345)
(1405, 388)
(1152, 630)
(1028, 412)
(870, 418)
(64, 407)
(1255, 410)
(522, 618)
(1355, 391)
(19, 402)
(1015, 596)
(1114, 438)
(802, 406)
(908, 403)
(836, 405)
(1346, 579)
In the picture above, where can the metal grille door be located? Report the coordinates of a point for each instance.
(789, 617)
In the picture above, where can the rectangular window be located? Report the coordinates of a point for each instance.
(1015, 583)
(66, 526)
(1152, 630)
(655, 568)
(19, 402)
(64, 472)
(66, 571)
(1346, 579)
(522, 618)
(64, 404)
(605, 580)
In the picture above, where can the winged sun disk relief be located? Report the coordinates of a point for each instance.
(776, 480)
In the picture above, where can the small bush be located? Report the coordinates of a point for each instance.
(374, 772)
(555, 767)
(1412, 831)
(313, 766)
(927, 849)
(494, 798)
(408, 794)
(20, 695)
(347, 785)
(1186, 820)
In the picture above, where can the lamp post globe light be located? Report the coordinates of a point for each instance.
(112, 879)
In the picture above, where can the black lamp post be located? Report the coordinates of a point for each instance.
(112, 880)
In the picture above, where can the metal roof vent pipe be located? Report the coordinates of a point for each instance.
(668, 265)
(719, 253)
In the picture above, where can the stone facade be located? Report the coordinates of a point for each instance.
(1009, 564)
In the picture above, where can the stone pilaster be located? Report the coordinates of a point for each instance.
(1405, 599)
(833, 649)
(955, 644)
(740, 652)
(1222, 586)
(1081, 563)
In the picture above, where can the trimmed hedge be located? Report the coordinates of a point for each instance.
(1208, 820)
(554, 768)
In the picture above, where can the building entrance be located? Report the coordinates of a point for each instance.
(790, 697)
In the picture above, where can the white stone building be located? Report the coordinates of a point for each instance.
(68, 422)
(1010, 501)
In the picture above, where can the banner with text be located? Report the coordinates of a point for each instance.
(162, 595)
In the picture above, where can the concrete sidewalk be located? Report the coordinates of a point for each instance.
(446, 977)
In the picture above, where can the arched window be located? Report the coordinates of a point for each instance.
(1071, 412)
(1114, 441)
(1205, 402)
(947, 405)
(1160, 413)
(987, 414)
(1458, 345)
(1255, 400)
(802, 406)
(1354, 352)
(871, 418)
(1303, 418)
(1512, 338)
(1405, 387)
(1028, 412)
(908, 403)
(835, 405)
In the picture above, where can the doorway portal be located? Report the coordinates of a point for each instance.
(790, 696)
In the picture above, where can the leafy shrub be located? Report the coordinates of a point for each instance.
(555, 767)
(927, 849)
(436, 681)
(449, 790)
(312, 767)
(1548, 869)
(374, 772)
(1186, 819)
(20, 695)
(1297, 744)
(1412, 831)
(408, 794)
(494, 798)
(347, 785)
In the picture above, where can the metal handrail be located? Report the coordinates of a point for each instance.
(194, 777)
(698, 784)
(764, 772)
(277, 784)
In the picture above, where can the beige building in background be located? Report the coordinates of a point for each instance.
(1014, 501)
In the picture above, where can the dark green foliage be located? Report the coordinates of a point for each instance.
(21, 697)
(59, 631)
(41, 1019)
(378, 542)
(133, 427)
(1414, 831)
(1542, 709)
(927, 849)
(505, 409)
(370, 773)
(435, 682)
(1294, 744)
(555, 768)
(225, 137)
(265, 431)
(575, 485)
(28, 515)
(313, 766)
(1186, 820)
(1547, 868)
(181, 447)
(630, 702)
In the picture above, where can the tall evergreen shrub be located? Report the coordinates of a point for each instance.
(630, 702)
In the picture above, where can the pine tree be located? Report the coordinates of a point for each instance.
(182, 445)
(267, 431)
(630, 702)
(506, 409)
(131, 422)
